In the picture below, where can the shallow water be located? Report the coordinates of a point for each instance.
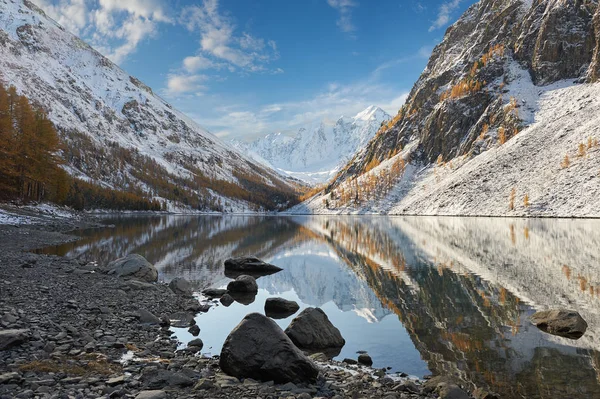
(420, 294)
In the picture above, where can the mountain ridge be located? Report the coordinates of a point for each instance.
(118, 132)
(495, 82)
(318, 149)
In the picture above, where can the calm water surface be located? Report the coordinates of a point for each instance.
(422, 295)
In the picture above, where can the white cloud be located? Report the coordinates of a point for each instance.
(219, 42)
(197, 63)
(444, 13)
(185, 84)
(114, 27)
(344, 8)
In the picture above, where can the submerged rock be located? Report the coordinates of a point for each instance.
(181, 286)
(243, 284)
(226, 300)
(245, 298)
(194, 330)
(279, 308)
(564, 323)
(133, 266)
(249, 266)
(312, 330)
(257, 348)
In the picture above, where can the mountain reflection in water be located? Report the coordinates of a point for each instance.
(448, 295)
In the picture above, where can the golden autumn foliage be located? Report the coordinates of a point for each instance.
(511, 199)
(30, 168)
(501, 135)
(484, 129)
(526, 201)
(469, 84)
(581, 150)
(565, 162)
(462, 88)
(369, 186)
(372, 164)
(312, 192)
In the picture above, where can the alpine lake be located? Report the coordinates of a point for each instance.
(421, 295)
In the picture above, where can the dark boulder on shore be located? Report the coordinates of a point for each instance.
(10, 338)
(243, 284)
(311, 330)
(133, 266)
(280, 308)
(257, 348)
(365, 359)
(564, 323)
(251, 266)
(181, 287)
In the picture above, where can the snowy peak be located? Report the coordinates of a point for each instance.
(372, 112)
(318, 149)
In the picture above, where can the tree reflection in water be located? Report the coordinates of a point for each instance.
(463, 288)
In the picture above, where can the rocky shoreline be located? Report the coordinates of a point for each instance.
(69, 330)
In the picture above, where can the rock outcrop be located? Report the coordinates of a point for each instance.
(133, 266)
(243, 285)
(564, 323)
(181, 286)
(257, 348)
(462, 104)
(280, 308)
(249, 266)
(311, 330)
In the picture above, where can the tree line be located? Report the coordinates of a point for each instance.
(31, 168)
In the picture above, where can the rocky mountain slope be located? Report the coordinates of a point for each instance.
(319, 150)
(503, 121)
(117, 131)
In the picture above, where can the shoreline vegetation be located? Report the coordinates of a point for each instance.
(71, 329)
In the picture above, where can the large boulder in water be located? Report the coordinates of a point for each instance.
(133, 266)
(181, 286)
(564, 323)
(243, 284)
(280, 308)
(312, 330)
(249, 266)
(257, 348)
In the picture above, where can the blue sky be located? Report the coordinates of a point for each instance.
(245, 68)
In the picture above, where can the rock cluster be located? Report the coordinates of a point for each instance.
(66, 329)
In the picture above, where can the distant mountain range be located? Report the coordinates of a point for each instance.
(318, 150)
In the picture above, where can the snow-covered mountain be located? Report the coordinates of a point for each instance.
(318, 150)
(504, 120)
(119, 132)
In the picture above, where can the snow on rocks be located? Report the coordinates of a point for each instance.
(566, 124)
